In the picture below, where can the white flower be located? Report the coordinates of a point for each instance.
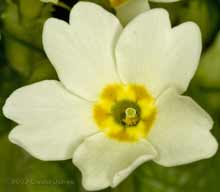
(118, 101)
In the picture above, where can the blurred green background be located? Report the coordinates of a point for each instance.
(23, 61)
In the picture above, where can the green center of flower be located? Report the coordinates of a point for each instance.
(126, 113)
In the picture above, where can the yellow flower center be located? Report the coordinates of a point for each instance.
(125, 112)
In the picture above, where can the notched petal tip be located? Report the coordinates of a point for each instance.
(193, 25)
(208, 124)
(156, 12)
(209, 149)
(11, 137)
(50, 26)
(48, 22)
(106, 163)
(182, 134)
(87, 185)
(213, 147)
(64, 50)
(206, 154)
(88, 8)
(119, 177)
(16, 139)
(192, 29)
(7, 108)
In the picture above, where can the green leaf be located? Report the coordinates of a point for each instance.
(9, 80)
(22, 23)
(208, 74)
(22, 173)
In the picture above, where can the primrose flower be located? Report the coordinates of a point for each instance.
(118, 103)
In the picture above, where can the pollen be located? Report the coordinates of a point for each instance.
(125, 112)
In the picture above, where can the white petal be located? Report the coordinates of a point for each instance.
(105, 162)
(82, 52)
(151, 53)
(182, 131)
(53, 121)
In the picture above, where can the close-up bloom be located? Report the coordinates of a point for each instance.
(118, 103)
